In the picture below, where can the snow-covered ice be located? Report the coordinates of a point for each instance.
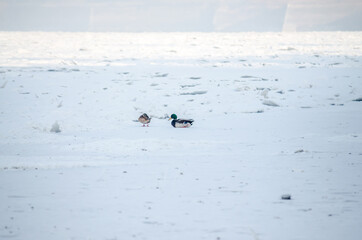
(275, 114)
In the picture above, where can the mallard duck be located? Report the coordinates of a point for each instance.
(180, 123)
(144, 119)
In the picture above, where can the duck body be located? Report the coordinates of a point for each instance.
(144, 119)
(180, 123)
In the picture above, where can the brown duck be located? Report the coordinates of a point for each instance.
(144, 119)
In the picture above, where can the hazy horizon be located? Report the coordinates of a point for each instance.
(180, 15)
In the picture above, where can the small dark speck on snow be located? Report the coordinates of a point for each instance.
(270, 103)
(286, 197)
(194, 93)
(299, 151)
(160, 75)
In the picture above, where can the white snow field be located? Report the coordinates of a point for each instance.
(275, 114)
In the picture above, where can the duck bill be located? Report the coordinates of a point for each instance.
(169, 119)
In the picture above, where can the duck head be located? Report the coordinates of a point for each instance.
(173, 116)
